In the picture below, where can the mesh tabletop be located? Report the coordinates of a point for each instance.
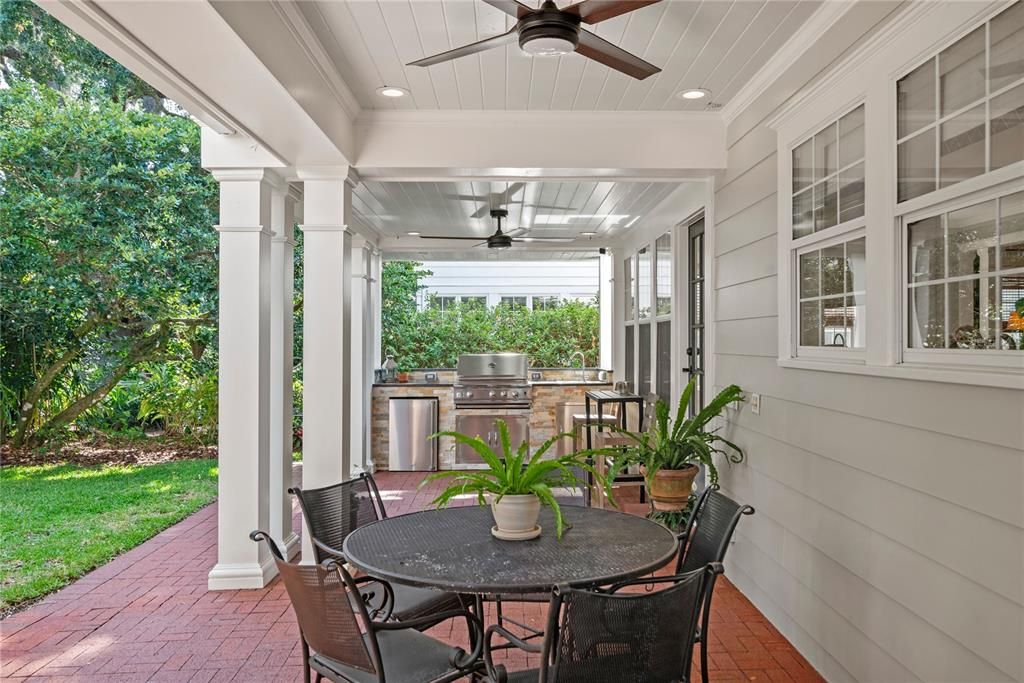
(454, 550)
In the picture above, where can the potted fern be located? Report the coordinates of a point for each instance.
(671, 451)
(515, 483)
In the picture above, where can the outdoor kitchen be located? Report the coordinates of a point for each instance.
(535, 403)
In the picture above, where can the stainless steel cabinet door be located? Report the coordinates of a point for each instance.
(485, 427)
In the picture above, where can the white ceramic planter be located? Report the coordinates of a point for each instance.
(515, 517)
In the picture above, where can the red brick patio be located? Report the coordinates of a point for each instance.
(147, 616)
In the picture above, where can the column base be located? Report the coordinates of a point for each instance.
(241, 576)
(290, 546)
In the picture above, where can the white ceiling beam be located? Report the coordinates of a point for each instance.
(400, 145)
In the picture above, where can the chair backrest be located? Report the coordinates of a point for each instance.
(321, 596)
(333, 512)
(716, 519)
(641, 636)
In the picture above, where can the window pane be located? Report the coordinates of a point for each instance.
(803, 213)
(1007, 126)
(630, 356)
(825, 153)
(856, 265)
(698, 300)
(1011, 231)
(663, 254)
(810, 323)
(513, 300)
(926, 250)
(664, 383)
(809, 274)
(825, 204)
(643, 275)
(851, 193)
(927, 317)
(627, 269)
(1011, 301)
(972, 239)
(645, 359)
(915, 99)
(855, 319)
(962, 154)
(916, 162)
(973, 313)
(475, 302)
(961, 71)
(851, 137)
(803, 166)
(1007, 35)
(833, 270)
(833, 313)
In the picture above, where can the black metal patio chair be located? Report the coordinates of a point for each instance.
(705, 539)
(607, 636)
(341, 642)
(333, 512)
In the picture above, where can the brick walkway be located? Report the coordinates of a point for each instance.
(147, 616)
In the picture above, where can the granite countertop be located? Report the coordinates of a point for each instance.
(412, 384)
(571, 382)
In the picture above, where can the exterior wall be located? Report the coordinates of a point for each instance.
(576, 279)
(887, 544)
(546, 398)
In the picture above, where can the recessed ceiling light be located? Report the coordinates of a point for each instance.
(413, 233)
(693, 94)
(588, 233)
(392, 91)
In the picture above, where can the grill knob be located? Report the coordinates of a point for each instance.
(504, 394)
(468, 394)
(491, 394)
(513, 394)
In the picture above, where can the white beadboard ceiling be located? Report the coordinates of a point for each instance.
(547, 209)
(713, 44)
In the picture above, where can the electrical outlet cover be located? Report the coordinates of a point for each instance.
(755, 404)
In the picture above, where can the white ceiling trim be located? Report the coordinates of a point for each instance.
(792, 50)
(306, 38)
(498, 118)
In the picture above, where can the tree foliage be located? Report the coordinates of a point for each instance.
(431, 338)
(107, 259)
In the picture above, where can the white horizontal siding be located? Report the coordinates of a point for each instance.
(888, 543)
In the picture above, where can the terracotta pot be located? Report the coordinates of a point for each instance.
(403, 377)
(516, 514)
(670, 489)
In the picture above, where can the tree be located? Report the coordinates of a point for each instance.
(400, 283)
(108, 252)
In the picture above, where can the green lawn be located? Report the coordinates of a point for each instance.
(59, 521)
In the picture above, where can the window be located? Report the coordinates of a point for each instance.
(965, 277)
(831, 295)
(513, 300)
(442, 303)
(663, 268)
(546, 303)
(829, 247)
(961, 113)
(643, 276)
(828, 176)
(474, 302)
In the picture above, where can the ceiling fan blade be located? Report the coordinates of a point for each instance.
(517, 232)
(593, 11)
(544, 239)
(600, 50)
(446, 237)
(552, 208)
(471, 49)
(513, 189)
(481, 212)
(511, 7)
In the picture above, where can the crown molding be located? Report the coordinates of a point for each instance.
(307, 39)
(492, 118)
(793, 49)
(243, 174)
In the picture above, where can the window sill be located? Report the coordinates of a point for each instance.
(1002, 378)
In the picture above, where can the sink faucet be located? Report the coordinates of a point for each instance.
(583, 364)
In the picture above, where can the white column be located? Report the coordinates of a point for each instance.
(606, 299)
(244, 380)
(282, 355)
(326, 331)
(362, 352)
(377, 294)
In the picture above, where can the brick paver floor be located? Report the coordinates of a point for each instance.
(147, 616)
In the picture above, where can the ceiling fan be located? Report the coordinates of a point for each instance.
(500, 240)
(499, 198)
(548, 30)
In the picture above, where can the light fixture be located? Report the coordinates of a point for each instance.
(541, 35)
(693, 94)
(392, 91)
(413, 233)
(588, 233)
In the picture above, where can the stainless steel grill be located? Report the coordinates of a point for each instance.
(492, 380)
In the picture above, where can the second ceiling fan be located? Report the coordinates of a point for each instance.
(548, 30)
(499, 240)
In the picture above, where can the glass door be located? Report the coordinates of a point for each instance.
(695, 315)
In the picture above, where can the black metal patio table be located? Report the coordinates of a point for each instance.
(453, 550)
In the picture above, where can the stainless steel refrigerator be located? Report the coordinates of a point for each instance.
(411, 422)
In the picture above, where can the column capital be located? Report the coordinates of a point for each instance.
(227, 175)
(346, 173)
(313, 227)
(241, 228)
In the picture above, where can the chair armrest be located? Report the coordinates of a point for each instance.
(458, 659)
(333, 552)
(497, 673)
(383, 611)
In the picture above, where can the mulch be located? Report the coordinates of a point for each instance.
(99, 451)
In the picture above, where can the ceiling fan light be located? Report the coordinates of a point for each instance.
(548, 47)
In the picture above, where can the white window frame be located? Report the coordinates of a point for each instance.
(869, 75)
